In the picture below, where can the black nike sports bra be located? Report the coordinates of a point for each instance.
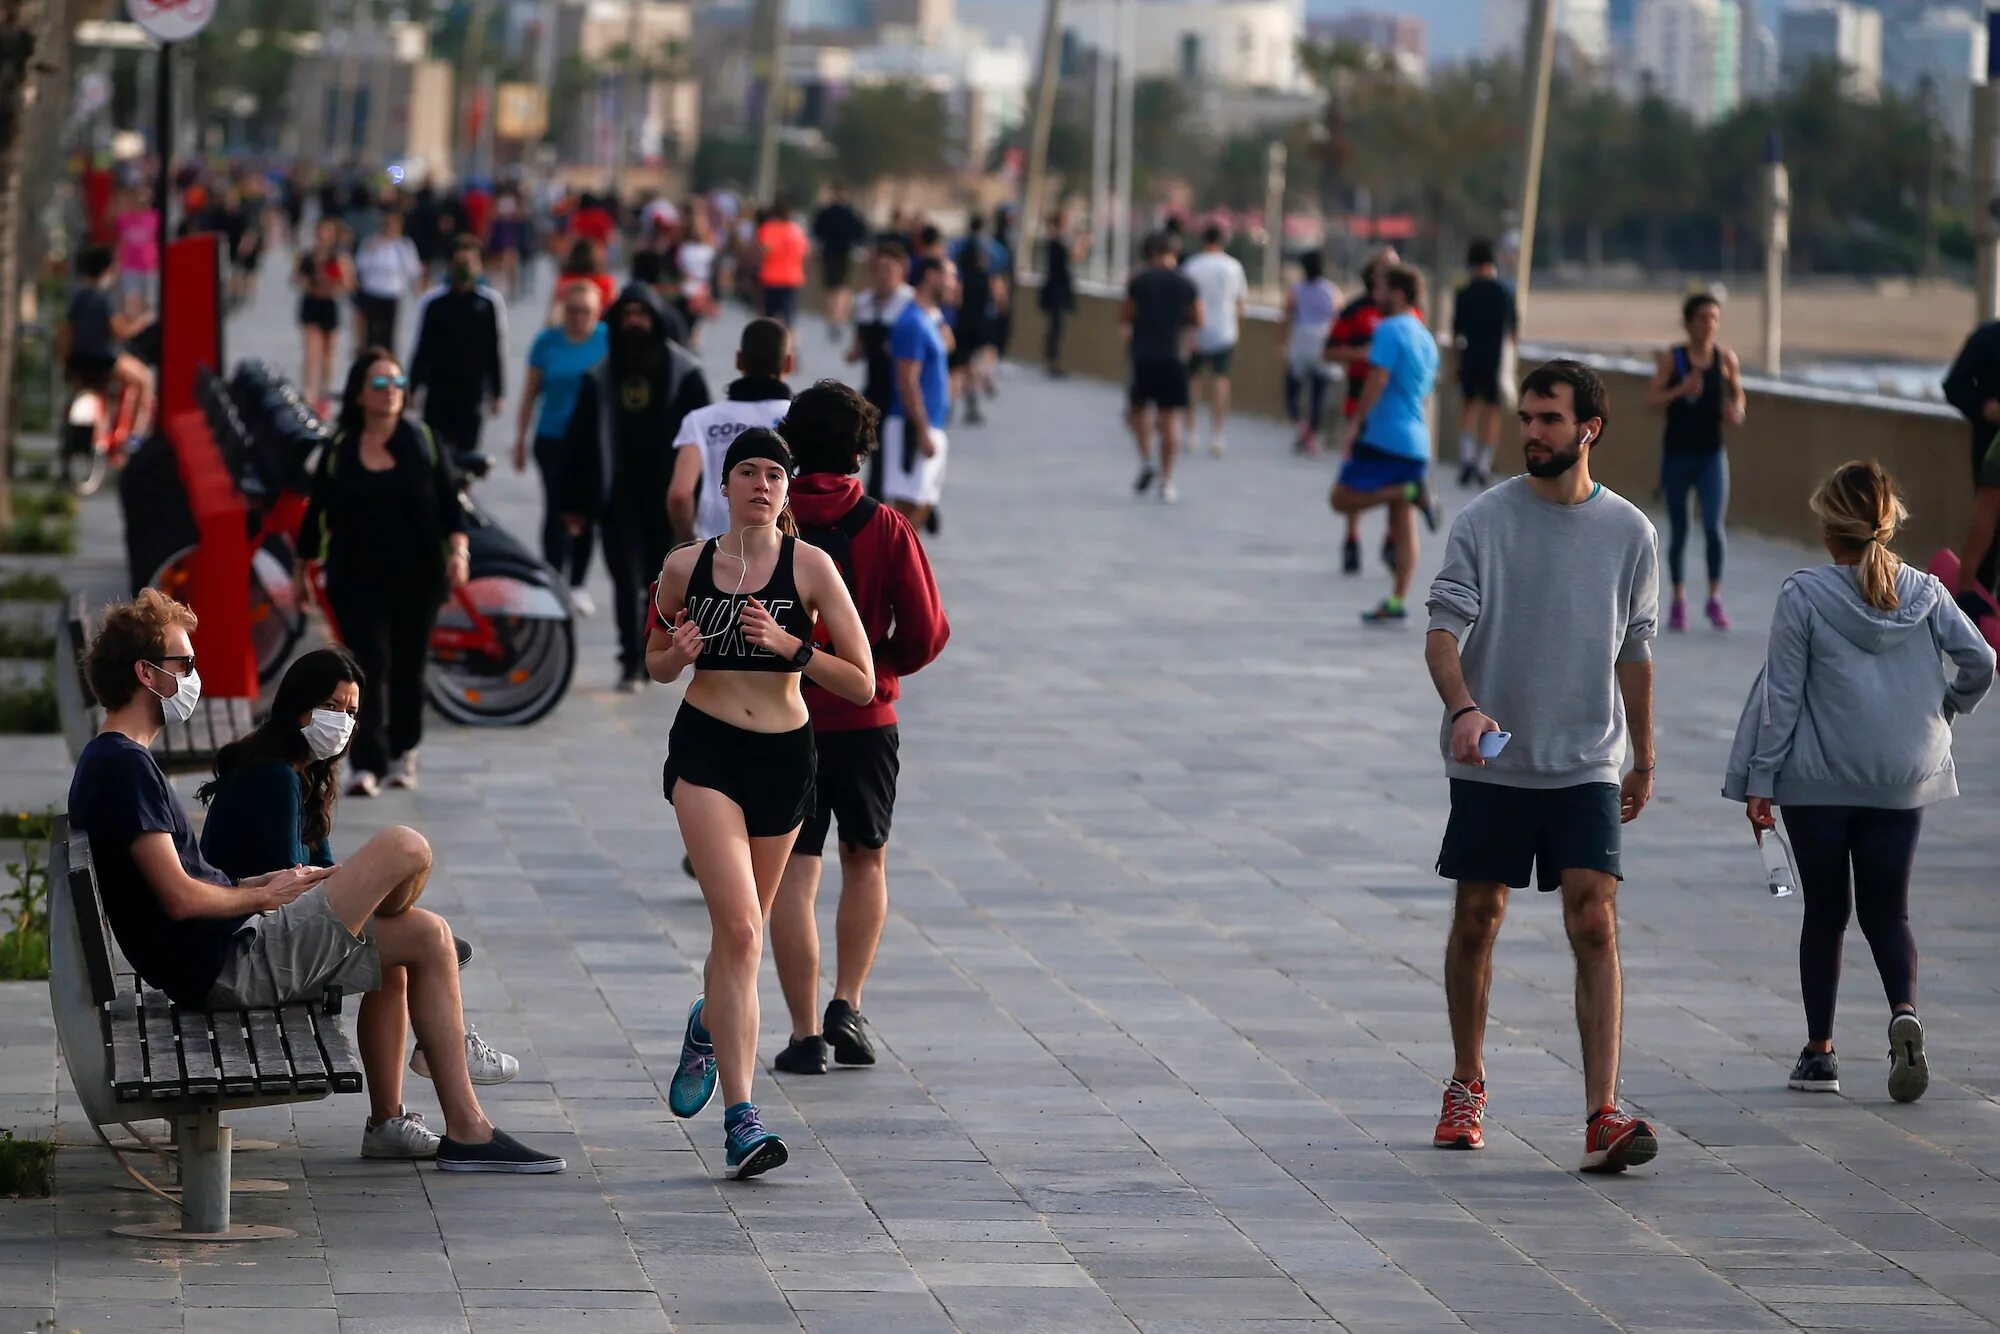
(720, 614)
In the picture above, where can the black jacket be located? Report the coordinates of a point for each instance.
(461, 342)
(1973, 379)
(591, 467)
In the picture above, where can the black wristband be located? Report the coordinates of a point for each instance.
(1470, 708)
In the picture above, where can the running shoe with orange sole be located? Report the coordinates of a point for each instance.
(1614, 1140)
(1458, 1123)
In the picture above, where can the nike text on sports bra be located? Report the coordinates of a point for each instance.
(720, 614)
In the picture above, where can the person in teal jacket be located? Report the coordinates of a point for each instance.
(270, 805)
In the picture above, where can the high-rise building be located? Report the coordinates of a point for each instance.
(1403, 38)
(1938, 59)
(1759, 71)
(1584, 26)
(1689, 50)
(1834, 31)
(1220, 43)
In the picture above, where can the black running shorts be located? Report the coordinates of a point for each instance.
(1217, 361)
(768, 774)
(1160, 382)
(1498, 834)
(856, 786)
(1479, 384)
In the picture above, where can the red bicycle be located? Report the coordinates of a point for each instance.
(96, 431)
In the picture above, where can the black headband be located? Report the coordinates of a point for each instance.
(758, 443)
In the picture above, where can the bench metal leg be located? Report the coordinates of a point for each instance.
(204, 1169)
(171, 1156)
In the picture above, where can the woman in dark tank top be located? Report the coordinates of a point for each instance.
(1699, 386)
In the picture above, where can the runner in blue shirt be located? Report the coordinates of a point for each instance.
(913, 438)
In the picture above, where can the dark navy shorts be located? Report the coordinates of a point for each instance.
(1371, 469)
(1499, 835)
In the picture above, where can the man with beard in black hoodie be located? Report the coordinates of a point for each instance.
(619, 457)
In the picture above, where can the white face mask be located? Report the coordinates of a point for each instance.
(179, 706)
(328, 732)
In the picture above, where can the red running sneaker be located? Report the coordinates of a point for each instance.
(1458, 1123)
(1614, 1140)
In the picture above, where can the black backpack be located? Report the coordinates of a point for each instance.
(837, 538)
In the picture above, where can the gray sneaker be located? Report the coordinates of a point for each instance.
(1909, 1072)
(1816, 1072)
(403, 1136)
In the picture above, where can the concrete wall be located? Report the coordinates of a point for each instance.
(1791, 439)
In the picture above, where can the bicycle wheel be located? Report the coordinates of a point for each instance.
(83, 463)
(275, 624)
(520, 681)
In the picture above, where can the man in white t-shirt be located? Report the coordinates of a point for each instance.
(759, 397)
(1225, 294)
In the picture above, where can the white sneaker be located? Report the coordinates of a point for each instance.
(403, 770)
(1217, 447)
(585, 604)
(485, 1063)
(1169, 495)
(401, 1136)
(363, 784)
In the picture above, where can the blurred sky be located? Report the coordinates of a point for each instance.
(1455, 25)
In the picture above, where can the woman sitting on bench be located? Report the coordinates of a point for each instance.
(271, 806)
(212, 943)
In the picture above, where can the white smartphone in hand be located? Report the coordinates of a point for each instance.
(1492, 743)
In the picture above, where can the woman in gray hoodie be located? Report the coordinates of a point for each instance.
(1848, 728)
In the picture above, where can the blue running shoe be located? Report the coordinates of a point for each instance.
(694, 1081)
(751, 1149)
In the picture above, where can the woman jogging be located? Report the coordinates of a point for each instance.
(1848, 728)
(741, 788)
(1310, 306)
(385, 521)
(270, 806)
(558, 361)
(324, 275)
(1699, 385)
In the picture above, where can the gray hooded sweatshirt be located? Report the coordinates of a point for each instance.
(1852, 707)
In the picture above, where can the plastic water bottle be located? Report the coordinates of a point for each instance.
(1779, 876)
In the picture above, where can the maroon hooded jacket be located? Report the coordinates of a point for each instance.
(893, 590)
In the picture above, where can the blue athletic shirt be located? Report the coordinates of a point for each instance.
(1403, 347)
(563, 365)
(915, 337)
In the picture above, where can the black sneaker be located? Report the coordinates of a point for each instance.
(1426, 502)
(1468, 475)
(1389, 552)
(464, 948)
(1816, 1072)
(1909, 1072)
(802, 1056)
(933, 522)
(502, 1153)
(1145, 480)
(844, 1030)
(1350, 557)
(687, 867)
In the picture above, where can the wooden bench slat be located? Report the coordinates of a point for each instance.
(204, 1076)
(267, 1047)
(239, 1072)
(128, 1052)
(308, 1069)
(343, 1066)
(164, 1076)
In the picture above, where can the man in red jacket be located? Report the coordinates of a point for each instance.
(831, 430)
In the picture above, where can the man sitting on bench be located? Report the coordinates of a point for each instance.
(269, 940)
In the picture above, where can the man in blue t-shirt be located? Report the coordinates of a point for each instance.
(913, 439)
(269, 940)
(1388, 440)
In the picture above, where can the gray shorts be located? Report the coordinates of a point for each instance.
(293, 955)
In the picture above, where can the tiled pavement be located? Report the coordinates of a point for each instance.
(1160, 1000)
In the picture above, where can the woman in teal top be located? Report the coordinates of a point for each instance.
(557, 362)
(270, 806)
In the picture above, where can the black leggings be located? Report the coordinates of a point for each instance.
(1880, 846)
(565, 553)
(388, 630)
(1053, 319)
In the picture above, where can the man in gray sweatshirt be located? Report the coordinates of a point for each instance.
(1541, 621)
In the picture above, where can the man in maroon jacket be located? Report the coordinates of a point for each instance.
(831, 430)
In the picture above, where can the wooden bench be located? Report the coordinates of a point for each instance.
(182, 748)
(135, 1055)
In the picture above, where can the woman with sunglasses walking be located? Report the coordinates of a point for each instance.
(386, 524)
(746, 611)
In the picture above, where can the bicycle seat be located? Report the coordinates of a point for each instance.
(474, 466)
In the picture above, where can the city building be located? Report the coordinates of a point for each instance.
(1689, 51)
(1403, 38)
(1583, 26)
(1759, 73)
(373, 94)
(1225, 43)
(1938, 59)
(1834, 31)
(589, 44)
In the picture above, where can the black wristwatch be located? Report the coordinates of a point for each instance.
(803, 656)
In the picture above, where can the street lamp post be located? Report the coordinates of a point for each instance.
(1986, 178)
(1274, 215)
(1777, 242)
(1540, 65)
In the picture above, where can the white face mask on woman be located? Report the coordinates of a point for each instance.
(328, 732)
(179, 706)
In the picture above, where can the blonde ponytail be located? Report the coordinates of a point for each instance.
(1858, 509)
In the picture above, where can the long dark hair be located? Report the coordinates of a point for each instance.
(308, 683)
(348, 424)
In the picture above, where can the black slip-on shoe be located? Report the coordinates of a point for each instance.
(502, 1153)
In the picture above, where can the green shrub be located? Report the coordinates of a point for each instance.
(33, 535)
(26, 641)
(31, 586)
(24, 950)
(28, 826)
(27, 1167)
(29, 709)
(48, 504)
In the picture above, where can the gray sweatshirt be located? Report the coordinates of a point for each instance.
(1852, 707)
(1544, 599)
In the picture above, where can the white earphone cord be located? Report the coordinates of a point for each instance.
(742, 577)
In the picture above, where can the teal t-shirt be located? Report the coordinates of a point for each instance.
(1403, 347)
(563, 365)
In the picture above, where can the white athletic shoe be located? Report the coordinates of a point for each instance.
(1217, 447)
(403, 1136)
(585, 604)
(1169, 495)
(487, 1064)
(403, 770)
(363, 784)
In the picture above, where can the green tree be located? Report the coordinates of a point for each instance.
(890, 129)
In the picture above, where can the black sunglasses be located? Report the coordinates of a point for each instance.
(162, 661)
